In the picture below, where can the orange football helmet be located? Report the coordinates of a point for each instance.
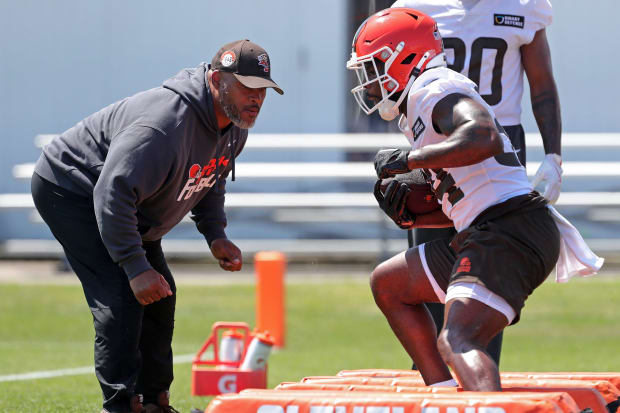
(407, 42)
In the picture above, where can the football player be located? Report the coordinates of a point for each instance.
(493, 42)
(508, 238)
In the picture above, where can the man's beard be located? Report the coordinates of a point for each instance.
(231, 110)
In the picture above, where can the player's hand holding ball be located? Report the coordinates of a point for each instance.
(393, 201)
(389, 162)
(405, 197)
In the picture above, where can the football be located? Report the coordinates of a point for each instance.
(421, 199)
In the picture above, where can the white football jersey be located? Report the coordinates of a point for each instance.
(466, 191)
(482, 40)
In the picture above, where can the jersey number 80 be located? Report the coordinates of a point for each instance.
(475, 61)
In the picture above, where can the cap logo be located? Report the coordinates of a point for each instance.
(263, 61)
(228, 58)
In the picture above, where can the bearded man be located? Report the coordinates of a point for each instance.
(111, 186)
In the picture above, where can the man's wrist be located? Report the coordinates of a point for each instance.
(214, 235)
(555, 157)
(135, 266)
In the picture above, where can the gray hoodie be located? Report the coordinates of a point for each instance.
(147, 161)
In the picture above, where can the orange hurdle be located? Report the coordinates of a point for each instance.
(283, 401)
(381, 381)
(379, 373)
(612, 377)
(363, 387)
(586, 393)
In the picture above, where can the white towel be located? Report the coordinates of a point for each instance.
(576, 258)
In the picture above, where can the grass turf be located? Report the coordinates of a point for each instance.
(331, 326)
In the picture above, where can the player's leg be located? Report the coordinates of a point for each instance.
(499, 263)
(495, 347)
(400, 287)
(116, 313)
(517, 138)
(516, 134)
(421, 236)
(156, 374)
(474, 315)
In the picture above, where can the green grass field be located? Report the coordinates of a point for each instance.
(332, 326)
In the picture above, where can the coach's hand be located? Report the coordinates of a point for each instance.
(389, 162)
(150, 286)
(394, 203)
(227, 253)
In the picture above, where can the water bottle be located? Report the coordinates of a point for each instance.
(231, 346)
(258, 352)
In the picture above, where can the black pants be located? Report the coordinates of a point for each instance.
(133, 351)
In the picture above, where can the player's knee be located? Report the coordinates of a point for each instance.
(452, 341)
(380, 286)
(443, 345)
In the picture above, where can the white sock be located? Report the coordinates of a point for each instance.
(447, 383)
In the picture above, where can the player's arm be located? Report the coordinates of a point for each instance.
(471, 131)
(536, 59)
(471, 138)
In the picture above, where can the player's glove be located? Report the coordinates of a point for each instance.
(394, 203)
(550, 171)
(389, 162)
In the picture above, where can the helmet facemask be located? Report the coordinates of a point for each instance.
(369, 70)
(366, 69)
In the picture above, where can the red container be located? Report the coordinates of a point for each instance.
(214, 376)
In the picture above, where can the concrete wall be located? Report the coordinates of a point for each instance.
(584, 41)
(61, 60)
(64, 59)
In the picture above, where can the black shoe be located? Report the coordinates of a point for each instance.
(162, 406)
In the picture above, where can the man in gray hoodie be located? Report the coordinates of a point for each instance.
(111, 186)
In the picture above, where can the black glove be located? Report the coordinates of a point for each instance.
(394, 203)
(389, 162)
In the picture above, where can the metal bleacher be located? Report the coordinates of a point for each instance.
(300, 194)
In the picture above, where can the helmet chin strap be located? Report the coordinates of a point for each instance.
(388, 109)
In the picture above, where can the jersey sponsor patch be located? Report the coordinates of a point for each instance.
(508, 20)
(418, 128)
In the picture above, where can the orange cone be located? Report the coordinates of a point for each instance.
(270, 267)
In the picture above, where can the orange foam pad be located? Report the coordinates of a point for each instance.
(584, 391)
(610, 392)
(612, 377)
(379, 373)
(280, 401)
(364, 387)
(584, 396)
(606, 390)
(383, 381)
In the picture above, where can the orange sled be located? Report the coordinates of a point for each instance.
(282, 401)
(584, 395)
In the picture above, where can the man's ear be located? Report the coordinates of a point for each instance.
(216, 77)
